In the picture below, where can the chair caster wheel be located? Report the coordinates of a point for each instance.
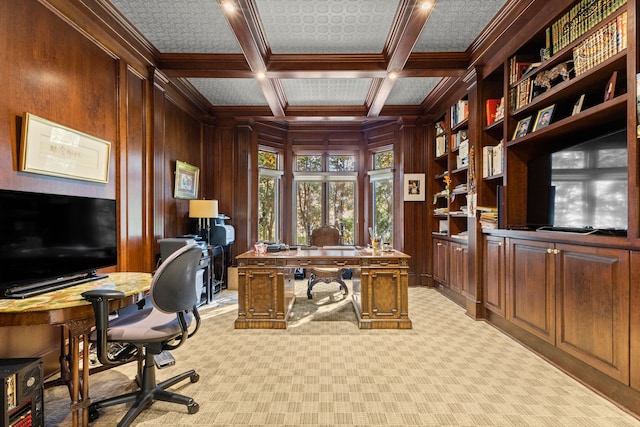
(93, 415)
(192, 408)
(194, 378)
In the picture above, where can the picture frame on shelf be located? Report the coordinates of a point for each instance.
(577, 107)
(610, 90)
(414, 187)
(186, 182)
(522, 128)
(544, 117)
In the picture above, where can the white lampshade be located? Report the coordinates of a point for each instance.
(203, 208)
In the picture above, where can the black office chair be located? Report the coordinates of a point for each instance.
(174, 295)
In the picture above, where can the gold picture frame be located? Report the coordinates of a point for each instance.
(186, 182)
(48, 148)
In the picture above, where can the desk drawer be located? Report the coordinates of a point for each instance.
(383, 262)
(321, 263)
(257, 262)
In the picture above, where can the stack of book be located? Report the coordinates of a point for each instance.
(488, 217)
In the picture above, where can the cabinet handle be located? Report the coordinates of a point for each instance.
(549, 250)
(499, 243)
(438, 244)
(556, 251)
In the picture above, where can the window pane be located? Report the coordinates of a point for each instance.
(267, 160)
(569, 160)
(383, 210)
(342, 164)
(342, 208)
(612, 158)
(308, 208)
(267, 208)
(309, 163)
(383, 160)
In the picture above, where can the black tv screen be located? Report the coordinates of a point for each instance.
(51, 236)
(590, 183)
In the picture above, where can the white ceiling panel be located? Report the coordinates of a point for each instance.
(181, 26)
(230, 92)
(328, 26)
(307, 92)
(411, 90)
(455, 24)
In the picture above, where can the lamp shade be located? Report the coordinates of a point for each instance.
(203, 208)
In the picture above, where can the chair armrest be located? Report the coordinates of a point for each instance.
(100, 298)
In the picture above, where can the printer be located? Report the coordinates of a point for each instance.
(221, 234)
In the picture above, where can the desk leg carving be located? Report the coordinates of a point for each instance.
(77, 369)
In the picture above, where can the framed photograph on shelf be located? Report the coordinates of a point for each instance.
(610, 90)
(577, 107)
(544, 118)
(186, 184)
(414, 187)
(523, 128)
(48, 148)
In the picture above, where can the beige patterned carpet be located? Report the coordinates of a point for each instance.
(449, 370)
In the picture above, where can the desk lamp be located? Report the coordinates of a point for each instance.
(203, 210)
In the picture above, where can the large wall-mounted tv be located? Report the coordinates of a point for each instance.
(51, 237)
(582, 188)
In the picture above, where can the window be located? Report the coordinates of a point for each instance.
(269, 174)
(381, 178)
(325, 187)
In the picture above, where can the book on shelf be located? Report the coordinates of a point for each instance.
(604, 43)
(492, 109)
(581, 18)
(459, 112)
(458, 138)
(441, 145)
(492, 160)
(441, 127)
(462, 159)
(488, 216)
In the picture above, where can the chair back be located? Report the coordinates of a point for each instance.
(326, 236)
(174, 287)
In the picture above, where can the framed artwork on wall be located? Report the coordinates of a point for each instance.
(48, 148)
(414, 187)
(186, 182)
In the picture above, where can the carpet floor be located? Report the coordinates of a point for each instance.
(449, 370)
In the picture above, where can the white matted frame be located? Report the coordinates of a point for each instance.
(48, 148)
(414, 187)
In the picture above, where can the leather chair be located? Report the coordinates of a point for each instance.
(325, 236)
(174, 295)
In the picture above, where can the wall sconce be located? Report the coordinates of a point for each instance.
(203, 210)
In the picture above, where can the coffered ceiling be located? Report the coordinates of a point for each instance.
(309, 59)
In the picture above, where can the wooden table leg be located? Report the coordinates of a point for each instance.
(79, 369)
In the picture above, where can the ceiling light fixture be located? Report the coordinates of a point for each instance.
(229, 6)
(393, 75)
(426, 5)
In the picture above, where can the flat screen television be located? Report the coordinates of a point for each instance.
(50, 238)
(587, 187)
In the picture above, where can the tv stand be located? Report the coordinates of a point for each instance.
(37, 288)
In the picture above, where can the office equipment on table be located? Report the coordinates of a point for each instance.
(174, 295)
(22, 396)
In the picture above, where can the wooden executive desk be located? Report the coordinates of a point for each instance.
(379, 294)
(66, 308)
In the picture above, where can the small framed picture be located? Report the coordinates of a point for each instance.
(522, 128)
(610, 90)
(544, 118)
(414, 187)
(186, 181)
(577, 107)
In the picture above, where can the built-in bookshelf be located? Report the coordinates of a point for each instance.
(450, 166)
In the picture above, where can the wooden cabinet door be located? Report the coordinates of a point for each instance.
(493, 274)
(592, 303)
(441, 261)
(457, 266)
(531, 287)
